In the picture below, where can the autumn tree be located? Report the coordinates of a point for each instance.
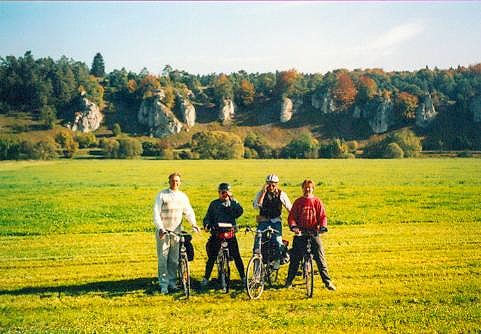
(223, 88)
(345, 92)
(285, 83)
(246, 92)
(405, 105)
(367, 89)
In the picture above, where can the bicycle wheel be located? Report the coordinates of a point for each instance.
(308, 276)
(255, 277)
(184, 274)
(225, 275)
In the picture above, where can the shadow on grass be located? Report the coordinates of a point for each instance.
(145, 285)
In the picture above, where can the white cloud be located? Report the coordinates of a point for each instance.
(396, 36)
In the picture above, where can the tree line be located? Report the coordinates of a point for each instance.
(50, 90)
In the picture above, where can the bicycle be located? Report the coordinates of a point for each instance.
(306, 262)
(183, 271)
(260, 269)
(225, 231)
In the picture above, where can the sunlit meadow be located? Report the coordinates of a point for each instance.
(77, 249)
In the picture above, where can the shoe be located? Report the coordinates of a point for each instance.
(164, 290)
(276, 264)
(288, 285)
(204, 282)
(173, 288)
(330, 286)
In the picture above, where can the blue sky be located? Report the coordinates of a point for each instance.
(205, 37)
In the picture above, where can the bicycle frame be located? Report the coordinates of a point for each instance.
(183, 269)
(225, 232)
(260, 269)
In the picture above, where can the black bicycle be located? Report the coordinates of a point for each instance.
(306, 262)
(225, 232)
(183, 271)
(261, 268)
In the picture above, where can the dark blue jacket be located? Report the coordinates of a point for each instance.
(222, 212)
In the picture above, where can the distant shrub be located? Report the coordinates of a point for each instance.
(48, 116)
(334, 148)
(465, 154)
(352, 146)
(393, 151)
(303, 147)
(250, 153)
(186, 155)
(256, 146)
(10, 148)
(154, 148)
(129, 148)
(68, 145)
(405, 140)
(217, 145)
(86, 140)
(110, 147)
(44, 150)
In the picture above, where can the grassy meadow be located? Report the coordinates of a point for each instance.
(77, 249)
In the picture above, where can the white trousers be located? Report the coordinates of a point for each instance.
(168, 259)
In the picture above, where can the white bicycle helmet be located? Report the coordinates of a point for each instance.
(272, 178)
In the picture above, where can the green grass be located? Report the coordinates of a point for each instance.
(77, 250)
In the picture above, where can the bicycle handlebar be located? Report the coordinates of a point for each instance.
(269, 228)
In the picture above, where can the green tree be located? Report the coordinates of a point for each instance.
(217, 145)
(48, 116)
(67, 143)
(116, 130)
(303, 147)
(98, 66)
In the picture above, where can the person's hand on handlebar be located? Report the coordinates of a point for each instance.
(162, 234)
(322, 229)
(296, 230)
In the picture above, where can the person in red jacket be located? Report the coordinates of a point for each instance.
(308, 214)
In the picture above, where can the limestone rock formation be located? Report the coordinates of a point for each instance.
(475, 108)
(227, 111)
(160, 120)
(287, 108)
(187, 110)
(328, 105)
(425, 113)
(381, 118)
(88, 118)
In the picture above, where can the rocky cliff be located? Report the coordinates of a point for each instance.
(160, 120)
(425, 113)
(227, 111)
(380, 118)
(187, 111)
(88, 117)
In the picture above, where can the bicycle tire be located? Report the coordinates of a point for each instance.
(184, 274)
(309, 276)
(225, 280)
(255, 277)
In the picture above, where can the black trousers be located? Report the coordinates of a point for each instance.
(299, 245)
(213, 246)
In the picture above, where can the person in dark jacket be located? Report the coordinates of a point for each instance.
(225, 209)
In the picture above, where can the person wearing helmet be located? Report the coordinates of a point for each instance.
(169, 206)
(225, 209)
(270, 201)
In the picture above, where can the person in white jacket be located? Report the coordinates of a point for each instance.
(169, 207)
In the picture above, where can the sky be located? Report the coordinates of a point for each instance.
(203, 37)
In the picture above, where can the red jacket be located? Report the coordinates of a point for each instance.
(307, 213)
